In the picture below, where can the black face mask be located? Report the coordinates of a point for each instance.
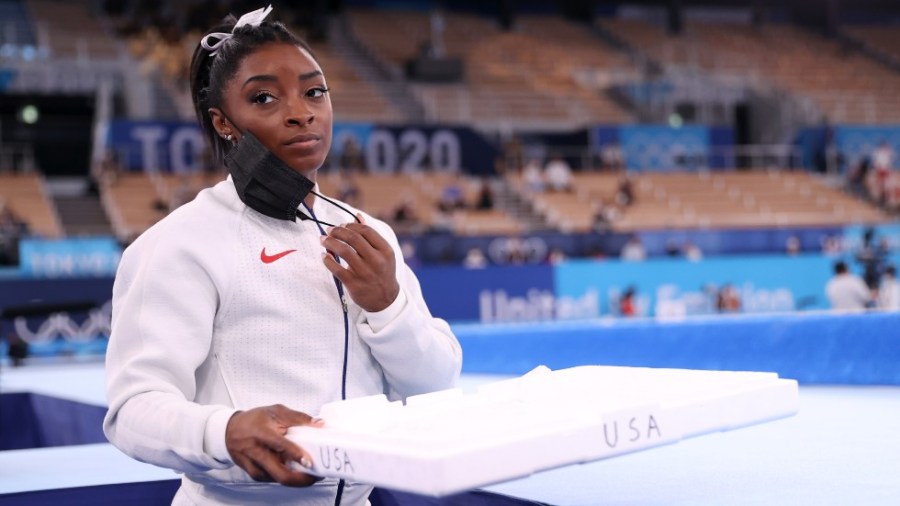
(268, 185)
(264, 182)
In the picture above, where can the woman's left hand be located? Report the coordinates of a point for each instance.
(370, 276)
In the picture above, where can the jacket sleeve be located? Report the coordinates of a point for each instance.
(418, 352)
(164, 306)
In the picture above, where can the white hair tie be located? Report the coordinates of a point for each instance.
(251, 18)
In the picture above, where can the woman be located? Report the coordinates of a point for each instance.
(229, 325)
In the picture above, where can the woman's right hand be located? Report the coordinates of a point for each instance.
(256, 442)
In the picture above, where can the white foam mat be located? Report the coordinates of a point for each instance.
(447, 442)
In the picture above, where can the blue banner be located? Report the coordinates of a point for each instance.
(56, 316)
(857, 143)
(179, 147)
(412, 148)
(94, 256)
(168, 146)
(497, 294)
(677, 287)
(663, 148)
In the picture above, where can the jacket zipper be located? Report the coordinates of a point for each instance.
(344, 308)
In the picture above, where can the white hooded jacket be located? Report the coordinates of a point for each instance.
(218, 308)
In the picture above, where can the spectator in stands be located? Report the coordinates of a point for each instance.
(612, 157)
(872, 257)
(513, 156)
(556, 255)
(233, 321)
(452, 196)
(634, 251)
(627, 302)
(442, 221)
(105, 172)
(856, 179)
(515, 253)
(12, 229)
(625, 191)
(352, 159)
(728, 300)
(672, 248)
(792, 245)
(692, 252)
(404, 216)
(484, 201)
(533, 176)
(883, 162)
(17, 348)
(889, 290)
(604, 216)
(831, 246)
(475, 259)
(847, 291)
(558, 174)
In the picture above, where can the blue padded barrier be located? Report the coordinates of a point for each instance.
(30, 420)
(813, 348)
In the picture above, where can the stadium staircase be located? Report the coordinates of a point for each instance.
(391, 85)
(80, 212)
(518, 207)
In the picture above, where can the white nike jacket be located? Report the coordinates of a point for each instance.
(211, 316)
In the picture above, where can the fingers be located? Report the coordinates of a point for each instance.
(364, 250)
(257, 443)
(268, 466)
(362, 238)
(290, 418)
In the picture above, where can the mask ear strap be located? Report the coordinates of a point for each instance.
(326, 199)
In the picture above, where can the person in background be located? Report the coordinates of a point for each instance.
(533, 176)
(871, 256)
(831, 246)
(883, 162)
(556, 256)
(792, 246)
(889, 290)
(625, 191)
(672, 249)
(404, 216)
(604, 216)
(627, 303)
(558, 174)
(728, 300)
(692, 252)
(352, 158)
(484, 201)
(847, 291)
(17, 349)
(233, 320)
(475, 259)
(12, 229)
(452, 196)
(612, 157)
(634, 251)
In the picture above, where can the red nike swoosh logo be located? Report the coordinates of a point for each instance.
(267, 259)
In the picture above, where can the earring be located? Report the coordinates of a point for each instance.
(229, 138)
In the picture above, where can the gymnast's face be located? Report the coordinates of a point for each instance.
(279, 94)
